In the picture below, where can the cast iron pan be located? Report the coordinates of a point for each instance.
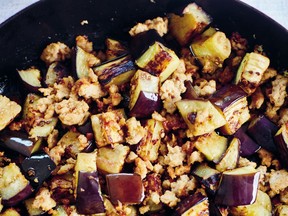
(23, 37)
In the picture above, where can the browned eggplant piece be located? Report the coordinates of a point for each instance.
(250, 71)
(32, 211)
(217, 210)
(248, 146)
(55, 72)
(230, 159)
(111, 160)
(238, 187)
(20, 142)
(212, 146)
(37, 168)
(262, 130)
(10, 212)
(281, 140)
(211, 49)
(137, 47)
(14, 187)
(201, 116)
(125, 187)
(190, 92)
(189, 23)
(89, 199)
(195, 204)
(232, 100)
(114, 48)
(159, 61)
(262, 206)
(8, 111)
(116, 71)
(31, 79)
(103, 132)
(208, 177)
(149, 145)
(82, 62)
(144, 94)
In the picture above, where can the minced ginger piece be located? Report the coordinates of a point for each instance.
(278, 180)
(55, 52)
(43, 200)
(8, 111)
(115, 97)
(159, 24)
(266, 157)
(135, 132)
(72, 112)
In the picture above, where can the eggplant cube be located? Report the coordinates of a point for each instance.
(89, 199)
(31, 209)
(82, 61)
(14, 187)
(190, 23)
(144, 94)
(149, 145)
(262, 130)
(231, 156)
(8, 111)
(194, 205)
(111, 160)
(125, 187)
(238, 187)
(208, 177)
(55, 72)
(211, 49)
(117, 71)
(232, 101)
(201, 116)
(250, 71)
(20, 142)
(262, 206)
(114, 48)
(108, 127)
(212, 146)
(158, 60)
(281, 140)
(38, 168)
(31, 78)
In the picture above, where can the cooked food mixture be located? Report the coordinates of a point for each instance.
(182, 119)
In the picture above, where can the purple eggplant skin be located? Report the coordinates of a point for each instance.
(19, 141)
(146, 104)
(125, 187)
(216, 210)
(37, 168)
(227, 95)
(248, 146)
(190, 93)
(281, 140)
(85, 128)
(189, 202)
(26, 192)
(235, 190)
(141, 42)
(262, 130)
(88, 198)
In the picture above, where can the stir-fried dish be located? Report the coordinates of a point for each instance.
(181, 119)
